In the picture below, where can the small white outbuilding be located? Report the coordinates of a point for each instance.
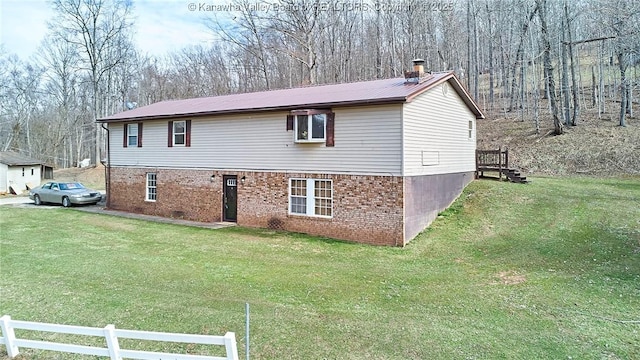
(18, 173)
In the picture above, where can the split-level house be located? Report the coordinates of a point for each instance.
(372, 162)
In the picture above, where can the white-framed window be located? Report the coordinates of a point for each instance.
(152, 189)
(132, 134)
(470, 129)
(310, 128)
(311, 197)
(179, 133)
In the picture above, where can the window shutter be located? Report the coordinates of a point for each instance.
(187, 140)
(290, 122)
(170, 143)
(125, 142)
(139, 134)
(330, 128)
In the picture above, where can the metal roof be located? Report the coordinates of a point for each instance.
(14, 159)
(324, 96)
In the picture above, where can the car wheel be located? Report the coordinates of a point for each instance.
(36, 200)
(66, 202)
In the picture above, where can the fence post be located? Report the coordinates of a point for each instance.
(9, 336)
(506, 157)
(112, 342)
(230, 346)
(500, 162)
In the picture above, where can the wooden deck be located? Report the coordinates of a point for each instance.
(497, 161)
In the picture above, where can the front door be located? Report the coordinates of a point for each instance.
(230, 198)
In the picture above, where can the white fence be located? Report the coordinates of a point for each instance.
(111, 334)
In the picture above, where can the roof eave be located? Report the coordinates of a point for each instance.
(394, 100)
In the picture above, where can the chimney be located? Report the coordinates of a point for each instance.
(418, 65)
(417, 75)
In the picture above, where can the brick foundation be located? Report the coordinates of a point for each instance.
(377, 210)
(366, 209)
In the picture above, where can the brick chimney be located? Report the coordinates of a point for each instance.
(417, 75)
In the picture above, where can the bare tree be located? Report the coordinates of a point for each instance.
(95, 27)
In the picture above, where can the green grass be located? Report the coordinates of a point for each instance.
(548, 270)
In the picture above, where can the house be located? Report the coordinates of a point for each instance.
(18, 173)
(371, 162)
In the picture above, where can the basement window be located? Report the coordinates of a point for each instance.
(152, 188)
(311, 197)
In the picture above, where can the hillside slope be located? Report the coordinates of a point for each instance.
(594, 147)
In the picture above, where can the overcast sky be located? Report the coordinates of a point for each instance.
(160, 25)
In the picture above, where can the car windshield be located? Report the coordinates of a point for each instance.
(71, 186)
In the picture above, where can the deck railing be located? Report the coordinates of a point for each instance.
(492, 160)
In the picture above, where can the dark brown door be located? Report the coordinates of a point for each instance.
(230, 201)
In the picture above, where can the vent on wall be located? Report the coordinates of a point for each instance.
(430, 158)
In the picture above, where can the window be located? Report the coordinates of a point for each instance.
(311, 197)
(22, 172)
(152, 192)
(470, 129)
(310, 128)
(179, 133)
(132, 135)
(32, 172)
(298, 196)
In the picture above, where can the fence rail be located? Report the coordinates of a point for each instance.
(111, 335)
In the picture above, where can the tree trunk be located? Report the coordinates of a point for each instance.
(624, 88)
(519, 54)
(574, 87)
(490, 49)
(542, 14)
(564, 89)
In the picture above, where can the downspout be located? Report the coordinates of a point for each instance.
(107, 167)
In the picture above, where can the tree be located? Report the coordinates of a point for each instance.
(542, 14)
(99, 30)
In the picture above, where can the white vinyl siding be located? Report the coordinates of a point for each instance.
(367, 141)
(438, 134)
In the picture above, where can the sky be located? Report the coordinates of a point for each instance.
(161, 26)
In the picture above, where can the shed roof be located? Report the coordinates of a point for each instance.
(348, 94)
(14, 159)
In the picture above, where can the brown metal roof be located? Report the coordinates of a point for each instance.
(324, 96)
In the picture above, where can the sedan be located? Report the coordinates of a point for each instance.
(65, 193)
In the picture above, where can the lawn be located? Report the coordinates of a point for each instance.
(547, 270)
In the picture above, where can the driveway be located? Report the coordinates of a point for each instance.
(10, 200)
(25, 202)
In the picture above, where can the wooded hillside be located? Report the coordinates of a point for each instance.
(547, 65)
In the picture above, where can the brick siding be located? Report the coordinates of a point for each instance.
(366, 209)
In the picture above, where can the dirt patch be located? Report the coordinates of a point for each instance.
(511, 278)
(92, 177)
